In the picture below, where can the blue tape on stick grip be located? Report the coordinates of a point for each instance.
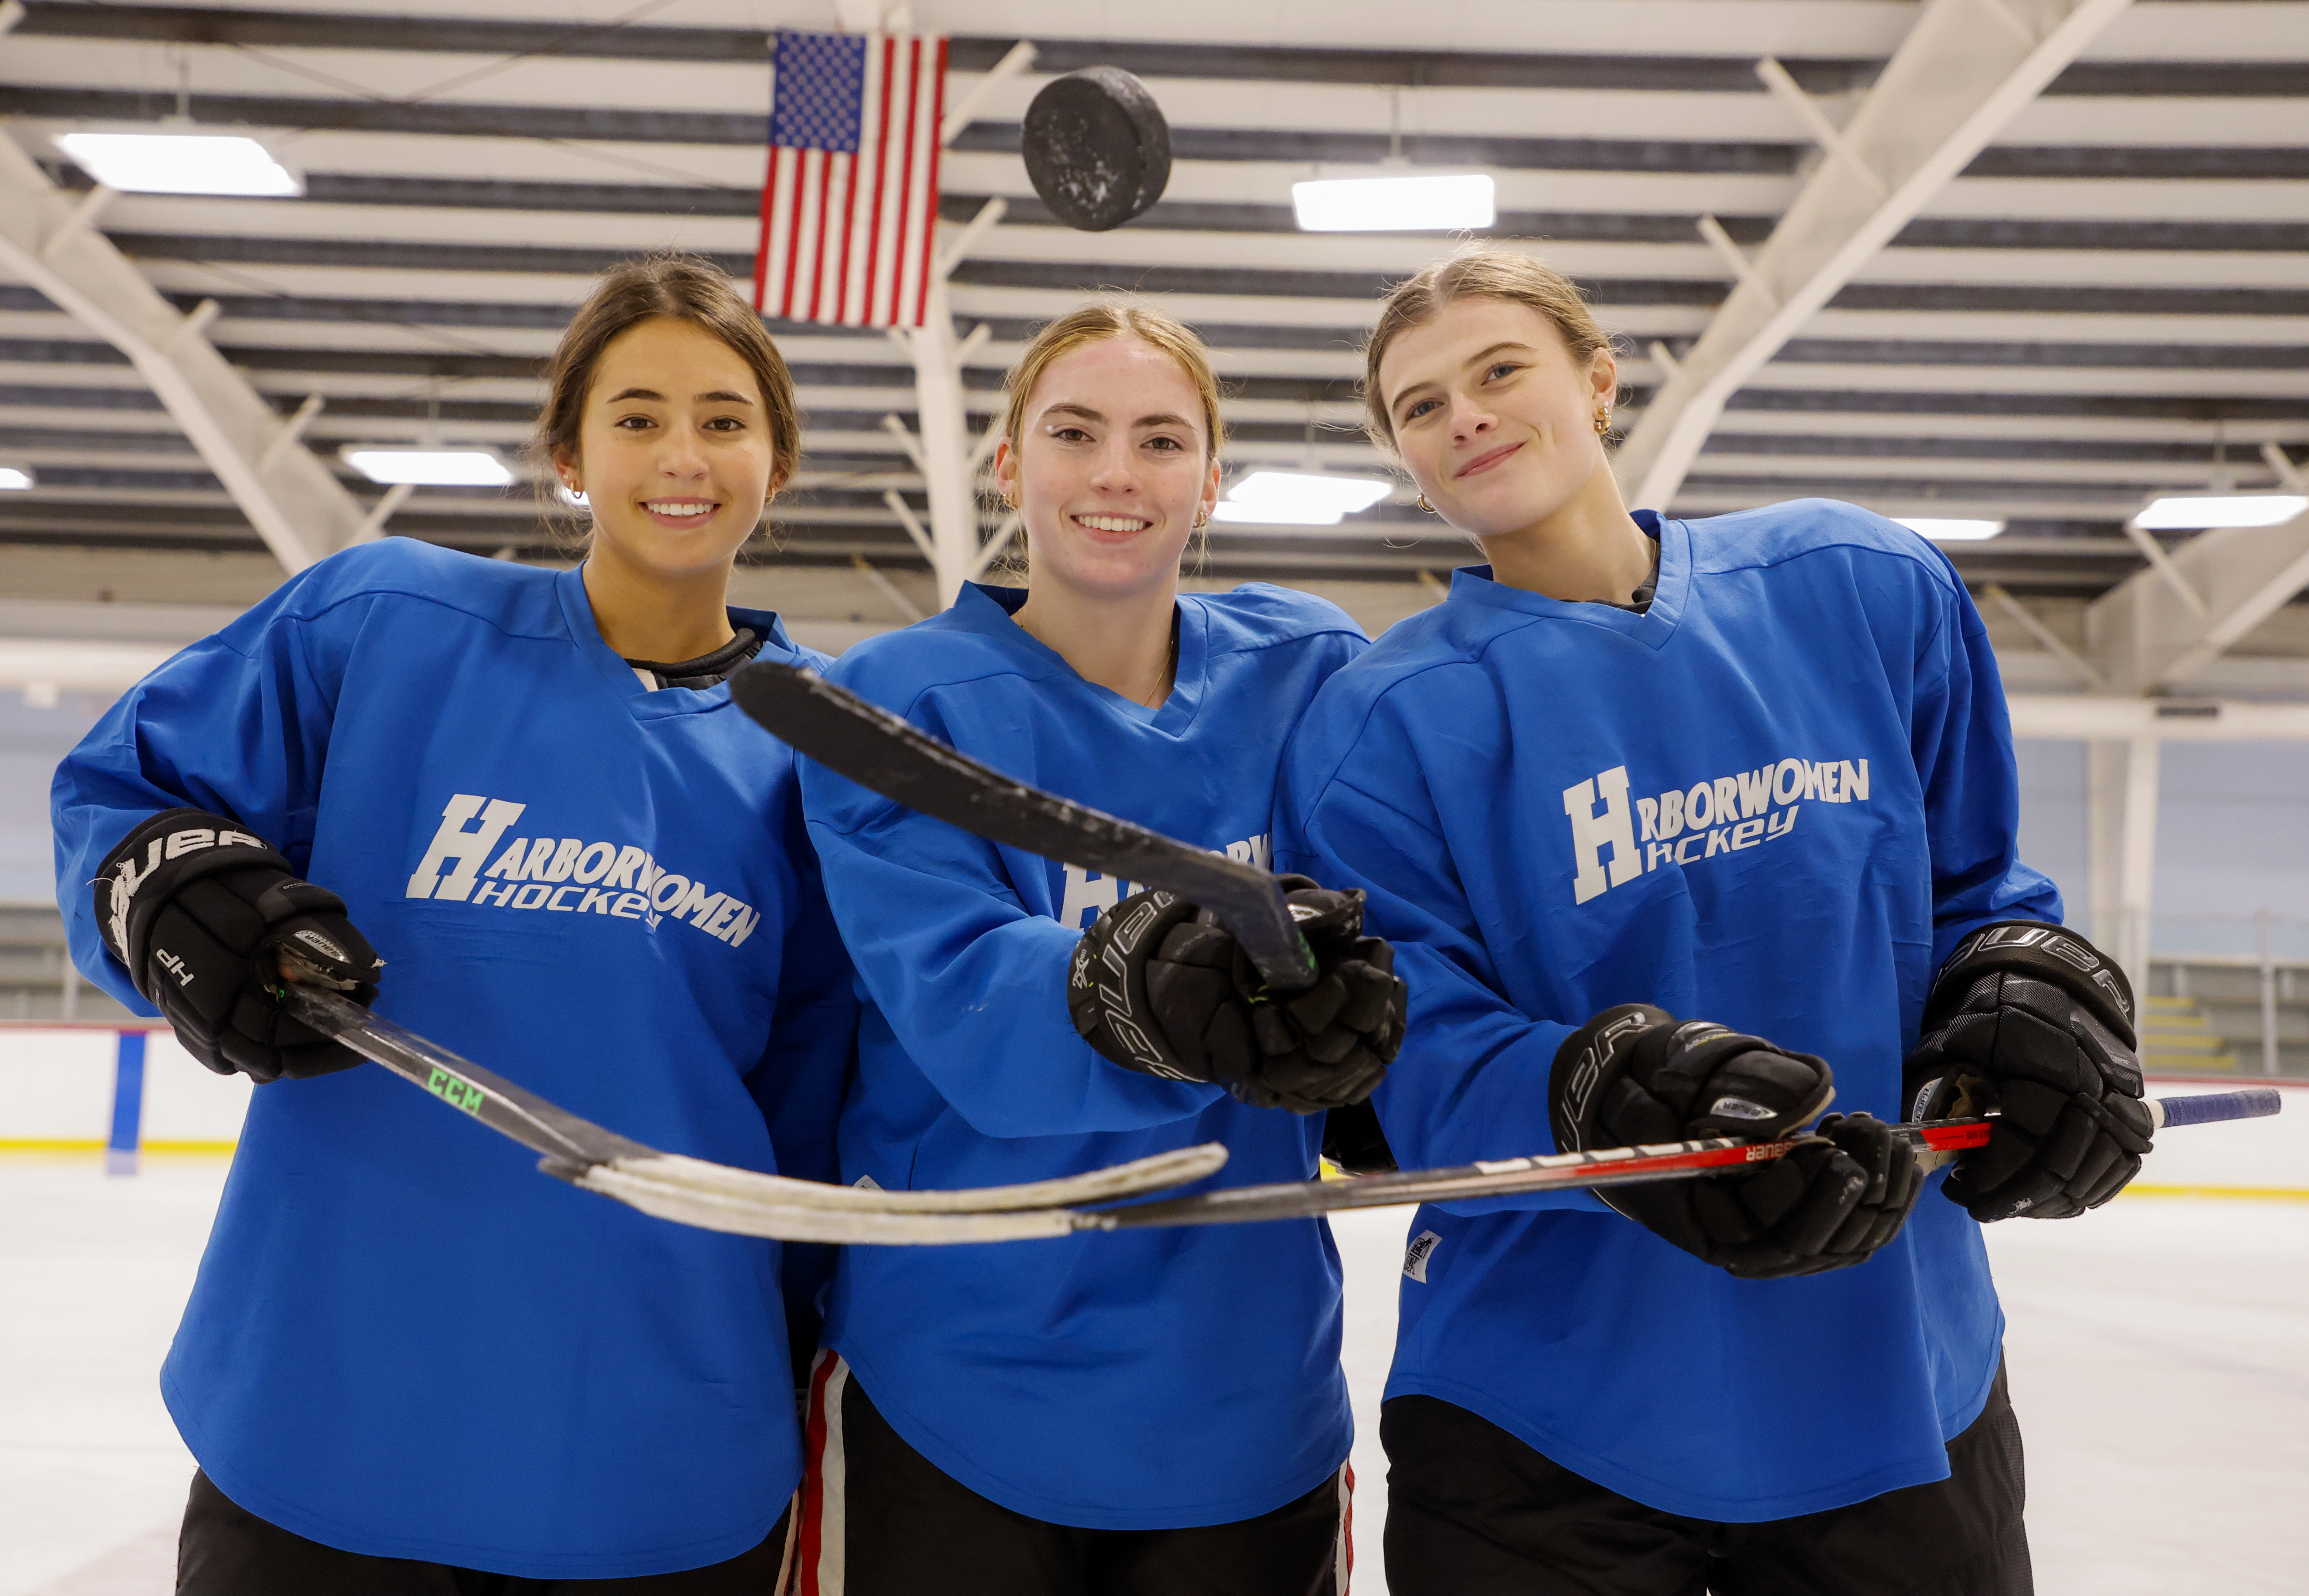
(2210, 1106)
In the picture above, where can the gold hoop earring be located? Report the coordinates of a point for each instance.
(1603, 422)
(1202, 521)
(1425, 505)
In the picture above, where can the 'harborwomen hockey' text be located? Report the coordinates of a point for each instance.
(1680, 827)
(566, 873)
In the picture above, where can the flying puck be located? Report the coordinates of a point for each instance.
(1097, 149)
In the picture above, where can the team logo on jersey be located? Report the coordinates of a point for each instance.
(1089, 894)
(567, 874)
(1684, 826)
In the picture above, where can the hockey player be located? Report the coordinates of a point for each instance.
(515, 808)
(1132, 1415)
(1664, 819)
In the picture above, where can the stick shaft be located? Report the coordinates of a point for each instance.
(1937, 1142)
(888, 755)
(510, 1111)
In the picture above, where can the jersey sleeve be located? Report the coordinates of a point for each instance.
(972, 985)
(238, 724)
(1471, 1080)
(1962, 738)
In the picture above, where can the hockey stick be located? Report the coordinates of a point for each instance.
(717, 1197)
(881, 752)
(1938, 1142)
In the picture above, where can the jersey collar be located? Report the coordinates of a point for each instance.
(577, 613)
(988, 611)
(1473, 585)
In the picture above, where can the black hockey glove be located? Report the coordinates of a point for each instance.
(2033, 1024)
(1158, 985)
(200, 913)
(1633, 1076)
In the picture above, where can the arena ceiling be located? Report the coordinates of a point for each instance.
(2112, 298)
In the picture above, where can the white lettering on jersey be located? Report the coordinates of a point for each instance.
(1591, 831)
(1684, 826)
(567, 875)
(1089, 894)
(469, 848)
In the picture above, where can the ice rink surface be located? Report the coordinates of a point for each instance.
(2159, 1350)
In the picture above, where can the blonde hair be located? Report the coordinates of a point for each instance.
(1093, 322)
(687, 288)
(1476, 272)
(1113, 318)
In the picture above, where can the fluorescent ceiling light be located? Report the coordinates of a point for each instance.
(180, 163)
(2197, 512)
(1953, 531)
(1228, 510)
(14, 478)
(1393, 204)
(1343, 494)
(429, 468)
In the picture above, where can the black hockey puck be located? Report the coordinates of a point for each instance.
(1097, 149)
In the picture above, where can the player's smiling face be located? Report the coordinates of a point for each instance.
(1114, 471)
(675, 452)
(1493, 418)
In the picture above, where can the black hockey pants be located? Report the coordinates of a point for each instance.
(1473, 1511)
(227, 1550)
(879, 1519)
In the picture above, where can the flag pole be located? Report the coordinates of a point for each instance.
(946, 447)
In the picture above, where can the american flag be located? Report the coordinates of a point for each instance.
(849, 207)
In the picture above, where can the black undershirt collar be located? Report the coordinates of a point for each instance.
(706, 669)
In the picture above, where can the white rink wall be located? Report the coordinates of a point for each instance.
(57, 1089)
(2246, 1156)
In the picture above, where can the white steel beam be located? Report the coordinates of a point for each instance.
(2145, 635)
(1958, 78)
(2113, 718)
(297, 505)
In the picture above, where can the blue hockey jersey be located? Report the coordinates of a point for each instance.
(1154, 1379)
(404, 1341)
(1774, 800)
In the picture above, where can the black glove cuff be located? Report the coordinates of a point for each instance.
(1106, 982)
(2048, 952)
(151, 864)
(1589, 1060)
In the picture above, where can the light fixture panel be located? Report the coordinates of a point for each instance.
(1952, 532)
(1236, 512)
(1344, 496)
(429, 468)
(1421, 204)
(16, 479)
(2200, 512)
(206, 163)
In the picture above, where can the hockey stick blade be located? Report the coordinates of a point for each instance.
(1938, 1142)
(718, 1196)
(886, 754)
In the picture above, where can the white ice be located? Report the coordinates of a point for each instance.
(2156, 1358)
